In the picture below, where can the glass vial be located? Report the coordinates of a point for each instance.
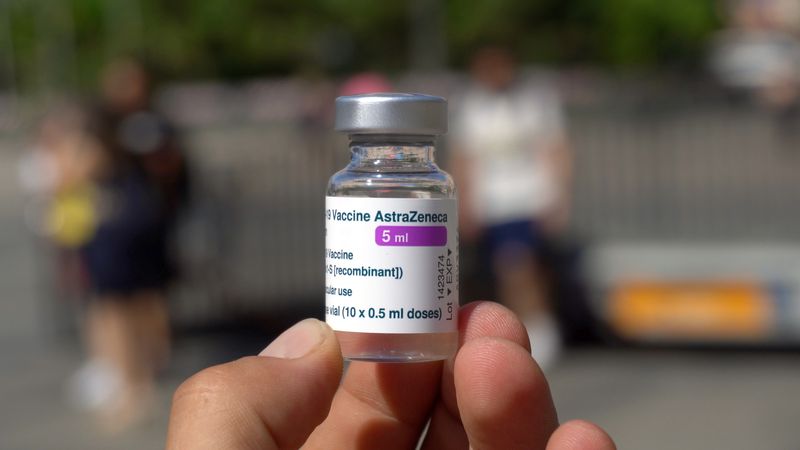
(391, 256)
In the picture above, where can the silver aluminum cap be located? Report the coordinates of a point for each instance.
(391, 113)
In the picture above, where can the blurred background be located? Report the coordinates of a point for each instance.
(199, 133)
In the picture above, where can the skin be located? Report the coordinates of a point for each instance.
(491, 395)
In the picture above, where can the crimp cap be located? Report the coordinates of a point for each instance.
(391, 113)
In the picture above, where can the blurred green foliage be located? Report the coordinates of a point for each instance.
(63, 43)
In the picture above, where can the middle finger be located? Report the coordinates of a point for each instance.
(476, 320)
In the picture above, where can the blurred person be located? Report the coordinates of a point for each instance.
(138, 129)
(512, 165)
(365, 83)
(53, 174)
(141, 179)
(316, 112)
(491, 395)
(758, 56)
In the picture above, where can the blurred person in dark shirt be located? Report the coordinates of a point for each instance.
(141, 181)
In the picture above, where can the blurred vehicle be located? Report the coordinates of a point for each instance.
(690, 212)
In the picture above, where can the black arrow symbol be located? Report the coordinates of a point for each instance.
(448, 291)
(449, 252)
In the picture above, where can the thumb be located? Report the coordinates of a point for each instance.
(270, 401)
(580, 435)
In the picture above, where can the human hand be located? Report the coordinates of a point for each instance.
(492, 395)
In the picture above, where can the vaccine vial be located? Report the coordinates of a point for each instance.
(391, 236)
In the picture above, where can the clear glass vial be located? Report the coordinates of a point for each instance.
(392, 145)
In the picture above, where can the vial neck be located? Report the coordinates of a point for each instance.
(392, 153)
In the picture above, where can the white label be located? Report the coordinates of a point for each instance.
(391, 265)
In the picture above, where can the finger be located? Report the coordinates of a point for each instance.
(390, 403)
(503, 397)
(485, 319)
(381, 406)
(580, 435)
(272, 401)
(476, 320)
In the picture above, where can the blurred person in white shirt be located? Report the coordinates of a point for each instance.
(757, 56)
(512, 165)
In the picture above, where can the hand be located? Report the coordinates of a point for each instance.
(492, 395)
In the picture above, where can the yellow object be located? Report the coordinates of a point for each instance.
(702, 311)
(72, 218)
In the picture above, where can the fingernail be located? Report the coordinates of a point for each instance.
(297, 341)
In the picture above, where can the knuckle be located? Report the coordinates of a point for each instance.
(207, 386)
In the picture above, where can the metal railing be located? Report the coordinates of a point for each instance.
(675, 164)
